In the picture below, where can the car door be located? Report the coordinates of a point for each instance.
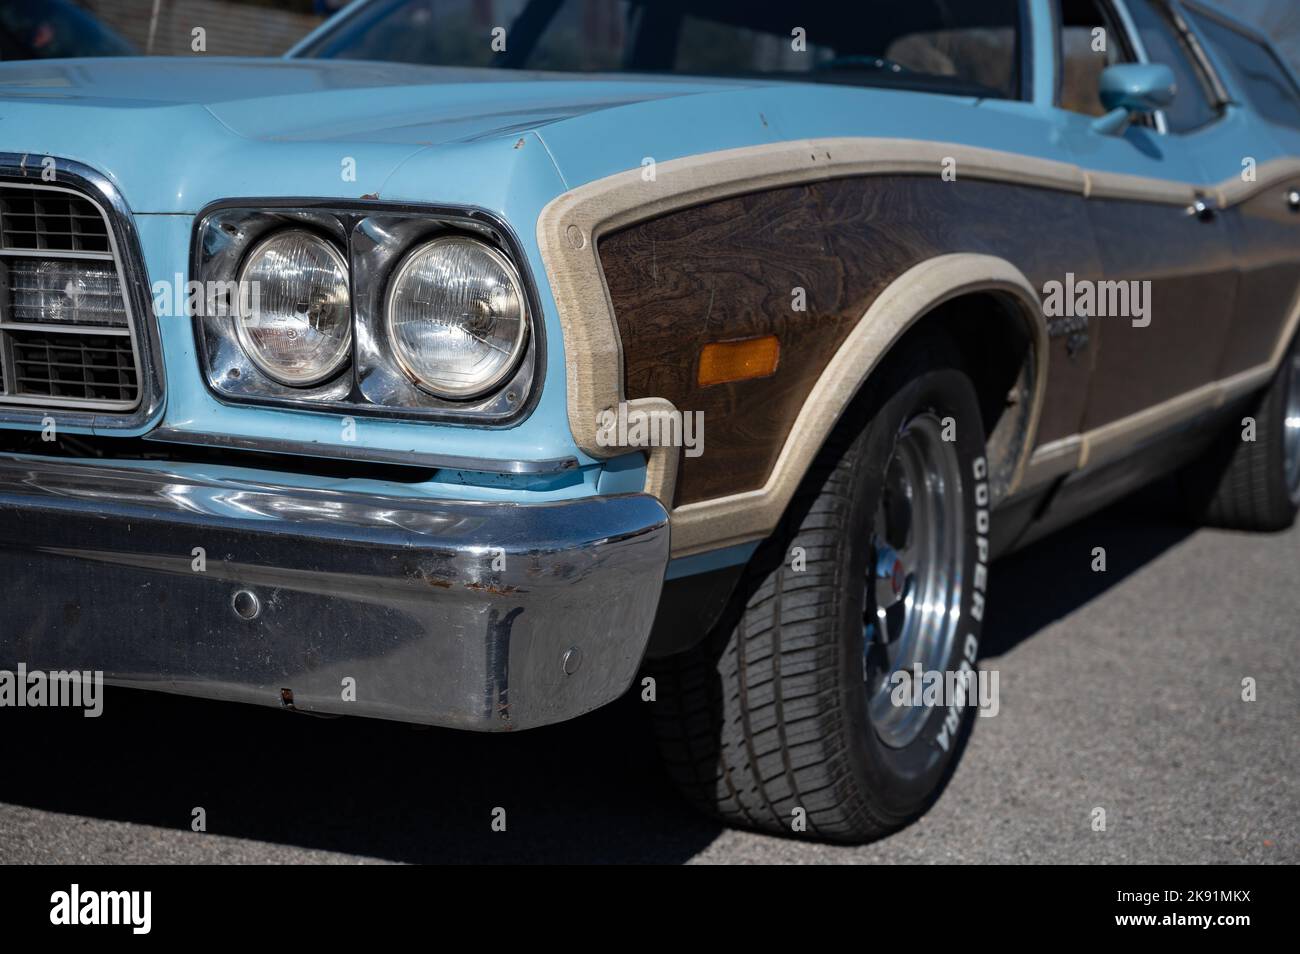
(1176, 262)
(1259, 161)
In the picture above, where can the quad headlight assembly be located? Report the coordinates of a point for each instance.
(386, 310)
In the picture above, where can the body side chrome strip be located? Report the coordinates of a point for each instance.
(485, 465)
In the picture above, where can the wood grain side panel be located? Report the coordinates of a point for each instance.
(1044, 233)
(1266, 242)
(1193, 284)
(718, 272)
(729, 269)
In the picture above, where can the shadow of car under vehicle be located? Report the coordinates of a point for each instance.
(1034, 587)
(588, 790)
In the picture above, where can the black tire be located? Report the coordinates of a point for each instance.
(770, 714)
(1242, 484)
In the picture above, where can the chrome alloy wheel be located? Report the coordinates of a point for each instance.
(1291, 428)
(914, 573)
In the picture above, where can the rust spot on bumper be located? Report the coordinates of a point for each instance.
(493, 589)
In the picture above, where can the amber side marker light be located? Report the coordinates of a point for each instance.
(724, 361)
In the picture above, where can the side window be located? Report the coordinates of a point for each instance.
(1192, 107)
(1091, 40)
(1255, 70)
(984, 56)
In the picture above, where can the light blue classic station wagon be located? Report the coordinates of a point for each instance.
(477, 362)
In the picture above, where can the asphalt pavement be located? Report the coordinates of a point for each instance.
(1119, 690)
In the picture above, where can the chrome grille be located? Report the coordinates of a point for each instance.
(34, 219)
(66, 335)
(81, 367)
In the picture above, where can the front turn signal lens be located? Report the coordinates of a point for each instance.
(722, 362)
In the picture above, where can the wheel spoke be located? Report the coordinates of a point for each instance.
(913, 588)
(1291, 428)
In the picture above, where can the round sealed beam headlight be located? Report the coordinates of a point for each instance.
(456, 317)
(294, 319)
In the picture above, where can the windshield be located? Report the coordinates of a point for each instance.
(970, 48)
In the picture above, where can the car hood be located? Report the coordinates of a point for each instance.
(329, 100)
(176, 132)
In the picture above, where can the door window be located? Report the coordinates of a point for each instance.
(1091, 40)
(1193, 105)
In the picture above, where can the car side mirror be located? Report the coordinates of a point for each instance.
(1133, 89)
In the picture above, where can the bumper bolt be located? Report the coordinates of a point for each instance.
(246, 604)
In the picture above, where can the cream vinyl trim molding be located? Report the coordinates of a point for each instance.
(1051, 460)
(1273, 174)
(1113, 440)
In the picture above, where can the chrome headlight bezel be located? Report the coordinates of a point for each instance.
(404, 361)
(375, 238)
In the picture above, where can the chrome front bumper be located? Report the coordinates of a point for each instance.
(474, 615)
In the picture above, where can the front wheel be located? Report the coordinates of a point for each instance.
(810, 711)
